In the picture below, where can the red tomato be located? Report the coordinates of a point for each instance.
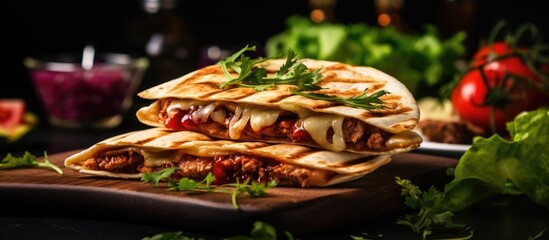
(11, 112)
(510, 87)
(483, 54)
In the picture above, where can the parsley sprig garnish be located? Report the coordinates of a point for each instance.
(363, 100)
(292, 72)
(27, 160)
(249, 75)
(253, 189)
(432, 214)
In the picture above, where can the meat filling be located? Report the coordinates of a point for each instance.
(357, 134)
(118, 162)
(226, 169)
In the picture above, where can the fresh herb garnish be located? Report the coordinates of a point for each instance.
(254, 189)
(292, 72)
(186, 184)
(432, 213)
(27, 160)
(363, 100)
(251, 76)
(244, 68)
(155, 177)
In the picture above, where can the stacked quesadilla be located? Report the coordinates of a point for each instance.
(298, 122)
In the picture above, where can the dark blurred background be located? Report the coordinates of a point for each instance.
(39, 27)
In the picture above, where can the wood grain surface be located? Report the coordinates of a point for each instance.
(298, 210)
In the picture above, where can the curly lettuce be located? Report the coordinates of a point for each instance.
(496, 165)
(422, 61)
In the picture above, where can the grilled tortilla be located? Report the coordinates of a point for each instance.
(195, 154)
(195, 102)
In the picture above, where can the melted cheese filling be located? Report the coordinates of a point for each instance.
(318, 125)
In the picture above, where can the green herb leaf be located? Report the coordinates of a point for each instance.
(253, 190)
(27, 160)
(363, 100)
(291, 72)
(257, 189)
(155, 177)
(245, 67)
(186, 184)
(236, 191)
(431, 215)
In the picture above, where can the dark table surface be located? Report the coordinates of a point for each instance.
(498, 217)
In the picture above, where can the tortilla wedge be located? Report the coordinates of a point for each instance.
(384, 131)
(196, 154)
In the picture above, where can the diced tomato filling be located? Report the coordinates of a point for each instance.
(299, 133)
(175, 121)
(187, 121)
(294, 129)
(219, 172)
(181, 120)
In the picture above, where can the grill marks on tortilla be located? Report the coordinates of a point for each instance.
(350, 83)
(391, 110)
(210, 70)
(287, 151)
(300, 154)
(405, 125)
(157, 138)
(202, 82)
(338, 80)
(336, 67)
(364, 160)
(142, 139)
(234, 93)
(162, 139)
(157, 142)
(334, 74)
(279, 98)
(208, 88)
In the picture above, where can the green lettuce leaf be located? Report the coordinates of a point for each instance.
(423, 61)
(498, 166)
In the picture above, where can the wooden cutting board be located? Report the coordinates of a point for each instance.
(294, 209)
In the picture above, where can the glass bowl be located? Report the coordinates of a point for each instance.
(77, 93)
